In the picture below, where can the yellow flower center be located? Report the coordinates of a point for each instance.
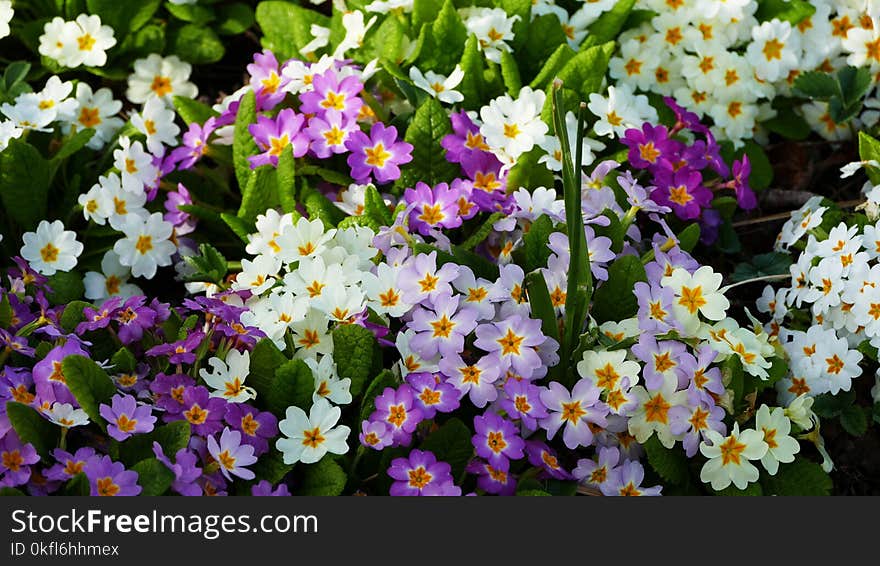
(144, 244)
(49, 253)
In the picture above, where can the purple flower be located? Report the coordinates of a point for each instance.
(180, 352)
(443, 328)
(713, 155)
(375, 434)
(195, 144)
(124, 417)
(109, 479)
(661, 359)
(523, 401)
(168, 392)
(491, 479)
(397, 408)
(275, 136)
(489, 183)
(627, 481)
(264, 489)
(655, 308)
(466, 139)
(544, 457)
(266, 80)
(232, 455)
(97, 318)
(133, 318)
(693, 421)
(49, 377)
(683, 117)
(16, 459)
(475, 380)
(421, 474)
(682, 190)
(256, 427)
(434, 208)
(184, 468)
(649, 147)
(182, 221)
(69, 465)
(745, 197)
(596, 472)
(328, 133)
(379, 154)
(329, 93)
(511, 342)
(703, 383)
(576, 411)
(433, 395)
(496, 440)
(17, 344)
(203, 412)
(420, 279)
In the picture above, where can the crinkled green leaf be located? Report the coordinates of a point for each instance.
(293, 386)
(197, 44)
(451, 443)
(73, 315)
(614, 299)
(324, 478)
(792, 11)
(428, 128)
(193, 110)
(123, 17)
(153, 476)
(243, 144)
(354, 348)
(265, 359)
(800, 477)
(472, 63)
(854, 420)
(33, 428)
(285, 181)
(286, 27)
(551, 68)
(234, 19)
(608, 25)
(510, 72)
(260, 193)
(671, 465)
(24, 184)
(73, 144)
(585, 71)
(89, 384)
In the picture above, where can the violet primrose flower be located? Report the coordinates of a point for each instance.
(110, 479)
(379, 154)
(421, 474)
(276, 136)
(124, 417)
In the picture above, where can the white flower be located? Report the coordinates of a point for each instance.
(51, 248)
(652, 412)
(55, 99)
(863, 44)
(729, 457)
(438, 86)
(607, 369)
(227, 378)
(156, 121)
(385, 6)
(26, 113)
(636, 65)
(695, 294)
(384, 293)
(96, 110)
(310, 335)
(257, 275)
(163, 77)
(621, 111)
(269, 227)
(800, 411)
(306, 238)
(513, 127)
(89, 43)
(774, 50)
(322, 38)
(118, 203)
(112, 281)
(57, 34)
(327, 382)
(146, 245)
(8, 131)
(553, 159)
(818, 116)
(355, 30)
(135, 165)
(781, 447)
(64, 415)
(493, 29)
(308, 438)
(6, 13)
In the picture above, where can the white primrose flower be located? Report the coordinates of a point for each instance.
(306, 238)
(513, 127)
(54, 100)
(774, 50)
(26, 114)
(135, 165)
(118, 203)
(385, 6)
(146, 245)
(226, 378)
(438, 86)
(6, 13)
(65, 415)
(781, 447)
(162, 77)
(493, 29)
(57, 36)
(257, 275)
(729, 457)
(96, 110)
(307, 438)
(51, 248)
(8, 131)
(321, 37)
(156, 121)
(311, 336)
(553, 159)
(269, 227)
(695, 294)
(89, 42)
(328, 385)
(111, 281)
(620, 111)
(355, 30)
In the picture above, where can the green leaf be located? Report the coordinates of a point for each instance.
(192, 13)
(380, 382)
(788, 124)
(15, 73)
(428, 128)
(425, 11)
(234, 19)
(543, 37)
(148, 39)
(123, 360)
(285, 181)
(153, 476)
(535, 243)
(869, 149)
(243, 144)
(801, 477)
(193, 110)
(271, 467)
(72, 315)
(854, 420)
(689, 237)
(482, 232)
(239, 226)
(24, 184)
(73, 144)
(375, 207)
(472, 87)
(265, 359)
(551, 68)
(792, 11)
(354, 349)
(77, 486)
(541, 305)
(671, 465)
(286, 27)
(293, 386)
(89, 384)
(762, 265)
(528, 173)
(762, 170)
(816, 84)
(609, 24)
(510, 72)
(585, 71)
(260, 193)
(33, 428)
(451, 443)
(447, 37)
(209, 265)
(325, 478)
(532, 493)
(67, 286)
(171, 437)
(319, 206)
(615, 299)
(6, 312)
(123, 17)
(197, 44)
(11, 492)
(854, 83)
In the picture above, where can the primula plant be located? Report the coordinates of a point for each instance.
(425, 247)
